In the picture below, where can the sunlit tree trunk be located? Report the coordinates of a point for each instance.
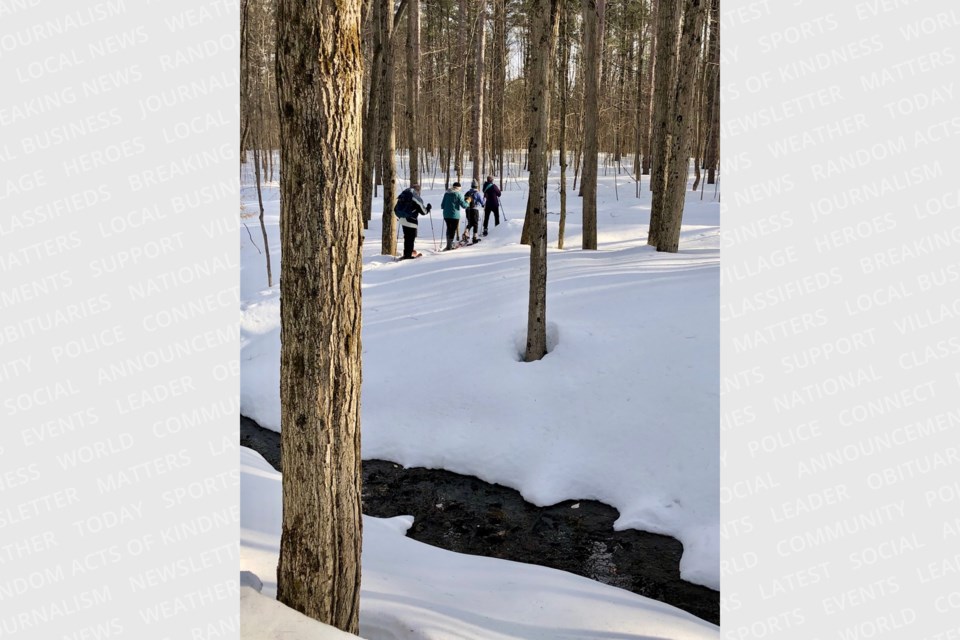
(668, 16)
(544, 23)
(319, 48)
(681, 138)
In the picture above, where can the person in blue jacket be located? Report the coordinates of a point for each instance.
(475, 200)
(451, 204)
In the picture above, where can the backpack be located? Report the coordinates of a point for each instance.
(474, 198)
(404, 200)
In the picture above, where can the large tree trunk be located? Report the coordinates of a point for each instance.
(681, 137)
(668, 16)
(592, 47)
(319, 48)
(544, 40)
(388, 235)
(413, 87)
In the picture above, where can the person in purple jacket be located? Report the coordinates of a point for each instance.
(491, 193)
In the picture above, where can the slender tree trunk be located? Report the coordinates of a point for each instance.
(563, 83)
(668, 15)
(639, 111)
(263, 226)
(413, 87)
(651, 90)
(544, 40)
(463, 49)
(371, 118)
(500, 81)
(388, 236)
(700, 108)
(713, 96)
(477, 89)
(592, 47)
(681, 138)
(320, 312)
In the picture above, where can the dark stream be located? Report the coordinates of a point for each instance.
(464, 514)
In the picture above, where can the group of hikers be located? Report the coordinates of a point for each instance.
(410, 207)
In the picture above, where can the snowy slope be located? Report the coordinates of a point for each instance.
(413, 591)
(625, 407)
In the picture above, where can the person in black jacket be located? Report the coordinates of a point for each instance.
(409, 207)
(491, 194)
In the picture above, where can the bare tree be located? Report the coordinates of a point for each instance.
(711, 153)
(413, 88)
(592, 46)
(371, 117)
(388, 148)
(681, 138)
(544, 22)
(564, 83)
(263, 226)
(319, 49)
(668, 16)
(477, 89)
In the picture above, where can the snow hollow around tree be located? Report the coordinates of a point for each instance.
(624, 408)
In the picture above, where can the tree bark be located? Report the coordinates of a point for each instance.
(562, 141)
(681, 138)
(371, 118)
(500, 81)
(319, 66)
(388, 236)
(651, 67)
(701, 108)
(713, 96)
(544, 39)
(477, 91)
(668, 15)
(413, 88)
(592, 47)
(263, 226)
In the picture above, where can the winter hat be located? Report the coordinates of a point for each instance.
(456, 184)
(489, 178)
(473, 184)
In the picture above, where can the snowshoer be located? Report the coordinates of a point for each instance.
(492, 194)
(409, 207)
(451, 204)
(475, 199)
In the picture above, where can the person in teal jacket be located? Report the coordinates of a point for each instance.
(451, 204)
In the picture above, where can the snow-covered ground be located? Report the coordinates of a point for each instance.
(624, 409)
(413, 591)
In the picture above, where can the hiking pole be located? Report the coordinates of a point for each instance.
(432, 234)
(504, 212)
